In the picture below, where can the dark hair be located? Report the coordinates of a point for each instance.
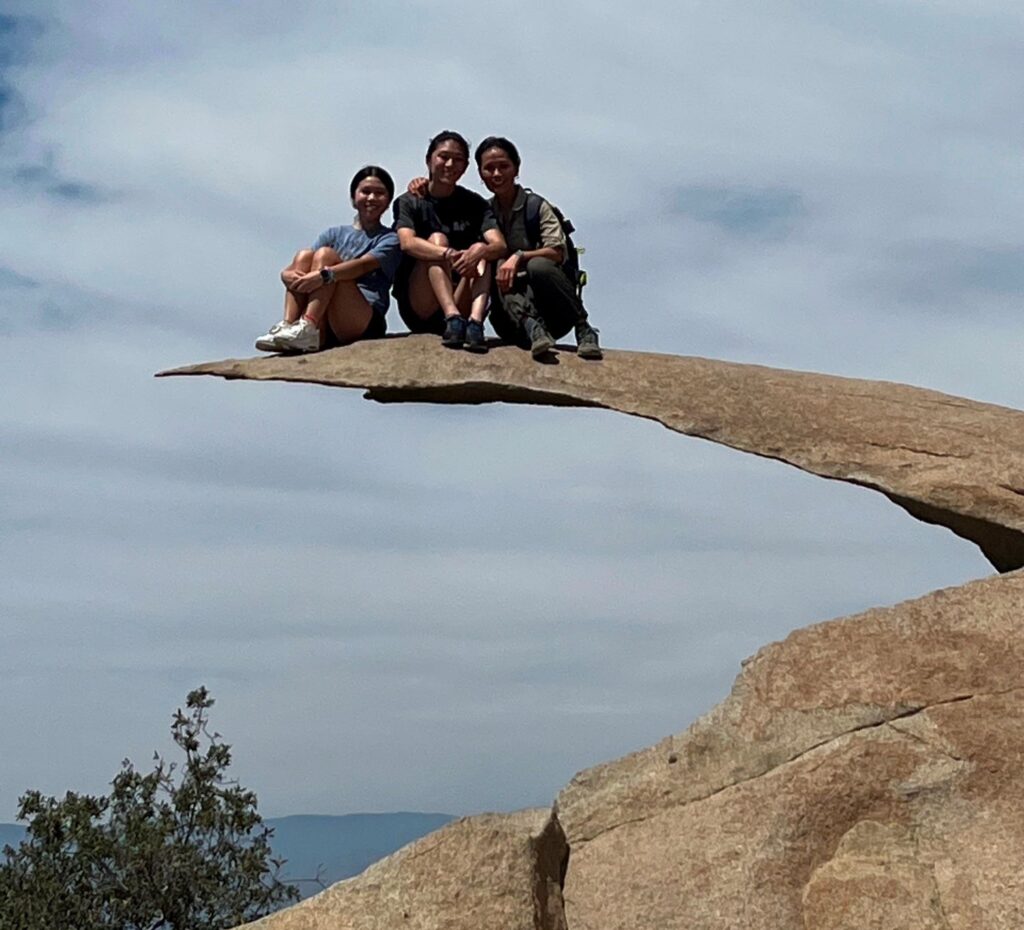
(448, 135)
(372, 171)
(498, 142)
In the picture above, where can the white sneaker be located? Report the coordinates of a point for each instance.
(266, 342)
(301, 336)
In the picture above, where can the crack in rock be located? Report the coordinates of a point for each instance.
(916, 450)
(796, 757)
(930, 744)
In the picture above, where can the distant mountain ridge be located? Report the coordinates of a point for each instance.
(343, 845)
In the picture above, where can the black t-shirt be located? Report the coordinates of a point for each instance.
(462, 216)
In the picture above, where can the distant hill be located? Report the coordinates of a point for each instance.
(343, 845)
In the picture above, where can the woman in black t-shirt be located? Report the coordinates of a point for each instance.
(449, 238)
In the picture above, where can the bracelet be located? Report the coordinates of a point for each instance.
(448, 252)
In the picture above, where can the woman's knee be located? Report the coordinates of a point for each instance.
(303, 259)
(325, 256)
(542, 268)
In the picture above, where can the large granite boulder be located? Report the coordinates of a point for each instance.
(867, 772)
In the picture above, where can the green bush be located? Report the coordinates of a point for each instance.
(179, 848)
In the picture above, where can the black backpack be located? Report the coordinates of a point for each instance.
(571, 265)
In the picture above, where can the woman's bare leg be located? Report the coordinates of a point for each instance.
(316, 307)
(295, 304)
(422, 301)
(348, 313)
(464, 297)
(481, 293)
(440, 276)
(472, 296)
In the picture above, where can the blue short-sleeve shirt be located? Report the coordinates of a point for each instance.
(382, 244)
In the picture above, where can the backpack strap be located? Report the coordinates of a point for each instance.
(532, 216)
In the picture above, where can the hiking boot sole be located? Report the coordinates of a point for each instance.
(542, 346)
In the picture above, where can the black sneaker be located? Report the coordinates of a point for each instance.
(454, 332)
(541, 341)
(587, 345)
(475, 341)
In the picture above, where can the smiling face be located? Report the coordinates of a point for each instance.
(447, 162)
(371, 200)
(498, 171)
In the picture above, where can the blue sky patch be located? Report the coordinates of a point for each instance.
(8, 107)
(9, 278)
(937, 273)
(44, 178)
(17, 36)
(747, 211)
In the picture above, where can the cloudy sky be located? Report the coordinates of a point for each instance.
(455, 609)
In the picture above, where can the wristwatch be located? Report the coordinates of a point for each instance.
(326, 275)
(519, 255)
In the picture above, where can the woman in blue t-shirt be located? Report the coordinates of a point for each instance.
(337, 291)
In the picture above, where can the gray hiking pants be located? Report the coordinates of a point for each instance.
(543, 292)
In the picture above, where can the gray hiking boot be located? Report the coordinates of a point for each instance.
(541, 341)
(587, 345)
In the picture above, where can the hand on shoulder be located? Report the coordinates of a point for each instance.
(418, 187)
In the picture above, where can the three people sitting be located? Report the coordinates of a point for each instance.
(440, 259)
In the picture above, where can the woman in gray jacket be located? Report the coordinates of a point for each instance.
(536, 295)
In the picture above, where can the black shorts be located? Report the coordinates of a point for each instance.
(432, 324)
(375, 329)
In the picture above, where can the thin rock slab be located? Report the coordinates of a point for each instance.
(489, 871)
(946, 460)
(867, 772)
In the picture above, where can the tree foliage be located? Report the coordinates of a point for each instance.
(179, 848)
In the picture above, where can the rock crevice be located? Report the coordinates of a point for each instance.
(885, 722)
